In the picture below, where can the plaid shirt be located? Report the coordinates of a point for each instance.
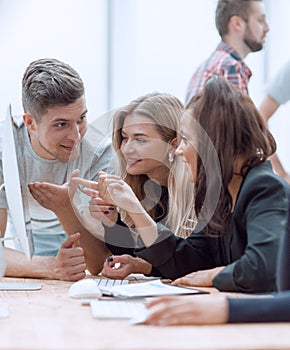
(224, 61)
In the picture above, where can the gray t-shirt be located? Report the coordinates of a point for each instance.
(95, 155)
(279, 87)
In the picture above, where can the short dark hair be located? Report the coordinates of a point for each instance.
(229, 8)
(49, 82)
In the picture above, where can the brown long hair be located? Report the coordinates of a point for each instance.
(236, 129)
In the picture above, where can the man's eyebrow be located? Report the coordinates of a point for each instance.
(59, 120)
(67, 119)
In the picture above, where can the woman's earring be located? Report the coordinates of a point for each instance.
(260, 153)
(171, 157)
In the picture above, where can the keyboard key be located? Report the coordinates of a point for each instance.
(104, 282)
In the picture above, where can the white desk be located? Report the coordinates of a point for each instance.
(49, 319)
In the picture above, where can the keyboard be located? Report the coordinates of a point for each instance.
(104, 282)
(117, 309)
(101, 283)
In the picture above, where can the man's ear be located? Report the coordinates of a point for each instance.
(29, 121)
(237, 24)
(174, 143)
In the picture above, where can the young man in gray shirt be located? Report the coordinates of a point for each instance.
(52, 140)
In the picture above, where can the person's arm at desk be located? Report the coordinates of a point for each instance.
(217, 309)
(274, 309)
(67, 265)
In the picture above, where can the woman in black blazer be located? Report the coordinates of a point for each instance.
(240, 204)
(218, 309)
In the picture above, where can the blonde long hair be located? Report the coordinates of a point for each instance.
(165, 110)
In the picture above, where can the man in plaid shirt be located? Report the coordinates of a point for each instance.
(242, 26)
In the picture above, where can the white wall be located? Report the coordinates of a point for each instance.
(155, 45)
(71, 30)
(278, 52)
(165, 40)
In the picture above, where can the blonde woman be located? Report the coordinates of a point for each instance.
(145, 139)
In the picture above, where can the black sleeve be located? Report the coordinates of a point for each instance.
(283, 275)
(274, 309)
(173, 257)
(263, 221)
(119, 239)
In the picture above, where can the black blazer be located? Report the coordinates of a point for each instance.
(249, 248)
(274, 309)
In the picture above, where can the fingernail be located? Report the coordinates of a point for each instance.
(110, 259)
(81, 187)
(111, 208)
(106, 212)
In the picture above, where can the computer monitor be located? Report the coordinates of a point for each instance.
(17, 195)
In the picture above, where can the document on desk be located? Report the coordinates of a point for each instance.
(147, 289)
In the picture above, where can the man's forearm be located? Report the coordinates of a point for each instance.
(18, 265)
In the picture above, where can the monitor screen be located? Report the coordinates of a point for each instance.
(17, 195)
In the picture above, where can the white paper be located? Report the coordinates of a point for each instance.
(147, 289)
(141, 277)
